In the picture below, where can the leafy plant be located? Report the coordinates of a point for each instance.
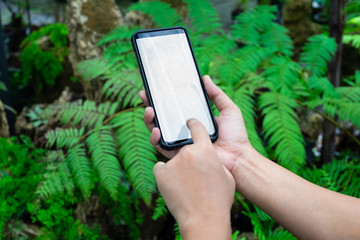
(42, 65)
(3, 86)
(103, 147)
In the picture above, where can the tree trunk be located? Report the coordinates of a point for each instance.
(7, 118)
(336, 27)
(88, 21)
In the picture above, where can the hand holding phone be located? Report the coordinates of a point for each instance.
(173, 84)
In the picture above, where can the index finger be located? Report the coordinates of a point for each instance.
(198, 131)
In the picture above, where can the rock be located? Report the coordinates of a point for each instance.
(4, 126)
(88, 21)
(296, 18)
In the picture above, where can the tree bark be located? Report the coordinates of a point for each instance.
(336, 28)
(7, 118)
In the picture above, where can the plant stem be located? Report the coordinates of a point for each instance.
(344, 130)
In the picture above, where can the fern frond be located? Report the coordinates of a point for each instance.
(120, 86)
(123, 88)
(281, 128)
(118, 34)
(339, 175)
(161, 13)
(352, 8)
(350, 93)
(93, 68)
(244, 99)
(85, 113)
(353, 40)
(241, 62)
(57, 179)
(346, 110)
(64, 137)
(160, 209)
(102, 147)
(80, 168)
(136, 151)
(283, 73)
(276, 39)
(208, 50)
(204, 18)
(320, 85)
(252, 23)
(316, 53)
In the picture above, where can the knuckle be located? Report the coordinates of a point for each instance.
(187, 152)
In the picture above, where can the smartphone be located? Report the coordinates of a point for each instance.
(173, 84)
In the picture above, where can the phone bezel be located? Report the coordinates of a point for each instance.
(168, 31)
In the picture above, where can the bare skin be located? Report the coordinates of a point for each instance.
(305, 209)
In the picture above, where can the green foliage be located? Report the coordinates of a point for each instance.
(264, 226)
(80, 167)
(3, 86)
(316, 53)
(137, 153)
(102, 147)
(43, 66)
(203, 17)
(340, 175)
(160, 209)
(280, 123)
(161, 13)
(19, 177)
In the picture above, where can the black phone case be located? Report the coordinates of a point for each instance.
(171, 145)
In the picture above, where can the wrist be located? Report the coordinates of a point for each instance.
(209, 226)
(245, 167)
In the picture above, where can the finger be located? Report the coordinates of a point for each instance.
(220, 99)
(144, 98)
(198, 131)
(155, 136)
(158, 167)
(149, 118)
(155, 139)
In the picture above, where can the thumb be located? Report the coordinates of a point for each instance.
(220, 99)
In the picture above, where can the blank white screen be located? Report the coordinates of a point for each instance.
(174, 84)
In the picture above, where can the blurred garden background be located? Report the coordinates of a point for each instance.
(75, 156)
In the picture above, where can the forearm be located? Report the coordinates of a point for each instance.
(307, 210)
(207, 228)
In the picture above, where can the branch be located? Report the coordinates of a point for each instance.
(344, 130)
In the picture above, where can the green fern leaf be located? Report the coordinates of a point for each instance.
(64, 137)
(136, 151)
(281, 128)
(84, 113)
(119, 33)
(245, 101)
(204, 18)
(161, 13)
(277, 40)
(102, 147)
(241, 62)
(3, 86)
(252, 23)
(160, 209)
(354, 40)
(209, 49)
(123, 88)
(57, 179)
(80, 168)
(93, 68)
(283, 73)
(316, 53)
